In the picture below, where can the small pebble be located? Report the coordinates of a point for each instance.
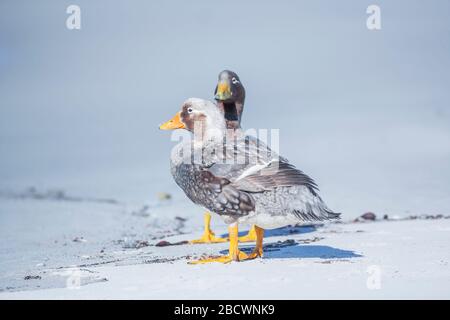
(164, 196)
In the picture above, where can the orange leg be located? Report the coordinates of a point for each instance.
(258, 252)
(251, 235)
(234, 254)
(208, 236)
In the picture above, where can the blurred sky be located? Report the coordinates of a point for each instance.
(366, 113)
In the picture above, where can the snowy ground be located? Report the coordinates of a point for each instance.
(50, 253)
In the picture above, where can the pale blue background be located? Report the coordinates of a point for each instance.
(366, 113)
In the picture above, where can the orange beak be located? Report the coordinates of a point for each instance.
(174, 123)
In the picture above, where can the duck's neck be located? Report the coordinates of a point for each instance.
(232, 112)
(208, 135)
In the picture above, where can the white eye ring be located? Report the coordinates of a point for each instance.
(234, 80)
(189, 110)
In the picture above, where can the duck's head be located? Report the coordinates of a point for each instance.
(230, 97)
(199, 116)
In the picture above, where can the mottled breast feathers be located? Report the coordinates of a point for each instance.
(212, 192)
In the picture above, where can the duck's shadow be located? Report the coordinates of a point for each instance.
(289, 230)
(296, 249)
(292, 249)
(310, 251)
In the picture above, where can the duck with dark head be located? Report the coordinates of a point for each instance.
(230, 98)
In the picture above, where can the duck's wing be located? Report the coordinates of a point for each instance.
(278, 173)
(267, 176)
(252, 166)
(243, 155)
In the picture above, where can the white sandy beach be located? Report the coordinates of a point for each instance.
(114, 257)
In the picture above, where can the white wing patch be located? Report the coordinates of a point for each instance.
(254, 169)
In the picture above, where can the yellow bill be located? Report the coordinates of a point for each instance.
(223, 91)
(174, 123)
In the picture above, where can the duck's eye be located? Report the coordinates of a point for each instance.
(234, 80)
(189, 110)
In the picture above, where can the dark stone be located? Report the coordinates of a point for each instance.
(369, 216)
(164, 243)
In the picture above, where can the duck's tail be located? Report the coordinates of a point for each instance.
(333, 215)
(316, 211)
